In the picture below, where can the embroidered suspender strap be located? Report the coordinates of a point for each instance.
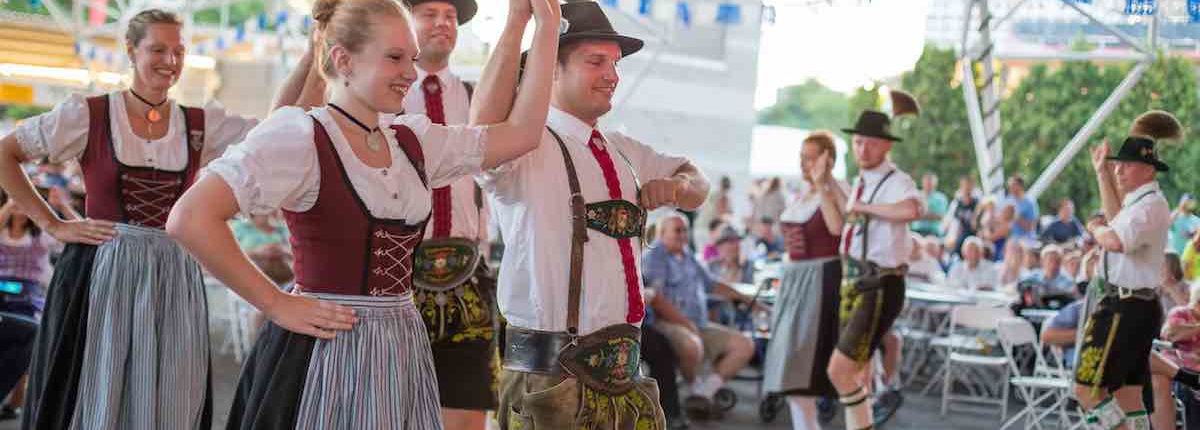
(578, 237)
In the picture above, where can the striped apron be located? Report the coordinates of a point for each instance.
(124, 342)
(378, 375)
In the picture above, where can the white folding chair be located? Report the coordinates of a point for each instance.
(1035, 389)
(974, 367)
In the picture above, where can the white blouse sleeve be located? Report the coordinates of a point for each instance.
(275, 167)
(221, 129)
(60, 134)
(650, 164)
(450, 151)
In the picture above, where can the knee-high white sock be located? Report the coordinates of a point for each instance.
(1138, 420)
(1106, 416)
(857, 406)
(804, 413)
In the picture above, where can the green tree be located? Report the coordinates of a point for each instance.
(939, 139)
(1050, 105)
(809, 106)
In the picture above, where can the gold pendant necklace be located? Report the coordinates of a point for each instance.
(152, 114)
(374, 137)
(374, 140)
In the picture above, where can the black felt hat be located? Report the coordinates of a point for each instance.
(873, 123)
(1139, 149)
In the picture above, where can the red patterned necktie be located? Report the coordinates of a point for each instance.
(436, 112)
(858, 192)
(636, 309)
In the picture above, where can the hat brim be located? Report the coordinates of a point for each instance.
(629, 45)
(872, 134)
(465, 9)
(1158, 165)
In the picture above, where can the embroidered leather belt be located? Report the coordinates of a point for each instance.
(607, 360)
(856, 268)
(619, 219)
(443, 264)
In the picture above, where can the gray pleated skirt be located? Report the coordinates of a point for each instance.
(378, 375)
(124, 341)
(804, 329)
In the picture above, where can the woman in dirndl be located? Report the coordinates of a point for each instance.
(347, 349)
(805, 320)
(124, 339)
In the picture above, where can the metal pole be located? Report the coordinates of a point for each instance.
(975, 121)
(1085, 133)
(1115, 32)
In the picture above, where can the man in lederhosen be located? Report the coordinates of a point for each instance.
(572, 213)
(875, 245)
(1121, 329)
(455, 290)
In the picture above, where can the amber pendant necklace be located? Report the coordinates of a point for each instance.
(152, 114)
(374, 137)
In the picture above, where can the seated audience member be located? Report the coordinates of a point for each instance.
(921, 265)
(1070, 264)
(1066, 229)
(715, 228)
(763, 242)
(1190, 259)
(265, 240)
(673, 272)
(973, 272)
(1050, 279)
(1182, 329)
(1174, 291)
(1010, 265)
(729, 266)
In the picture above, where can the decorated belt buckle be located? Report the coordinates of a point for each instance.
(619, 219)
(443, 264)
(607, 360)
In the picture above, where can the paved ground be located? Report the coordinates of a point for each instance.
(918, 412)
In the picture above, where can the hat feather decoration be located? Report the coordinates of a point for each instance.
(1158, 125)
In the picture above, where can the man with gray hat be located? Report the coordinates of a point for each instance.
(573, 213)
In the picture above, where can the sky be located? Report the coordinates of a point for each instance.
(845, 45)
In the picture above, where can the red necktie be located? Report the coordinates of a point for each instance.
(441, 196)
(636, 309)
(850, 234)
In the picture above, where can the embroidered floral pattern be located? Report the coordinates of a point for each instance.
(462, 314)
(606, 411)
(618, 219)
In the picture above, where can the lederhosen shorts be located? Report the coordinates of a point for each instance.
(462, 334)
(866, 314)
(1117, 341)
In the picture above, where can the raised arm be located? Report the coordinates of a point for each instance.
(521, 131)
(304, 87)
(493, 102)
(199, 222)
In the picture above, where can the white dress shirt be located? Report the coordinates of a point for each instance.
(467, 219)
(277, 168)
(1142, 226)
(530, 203)
(890, 242)
(62, 134)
